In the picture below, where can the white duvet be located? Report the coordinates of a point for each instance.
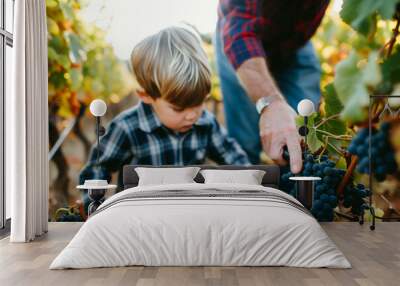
(188, 231)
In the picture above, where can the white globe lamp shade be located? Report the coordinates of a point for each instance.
(98, 107)
(305, 107)
(394, 102)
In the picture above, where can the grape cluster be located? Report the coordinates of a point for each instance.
(68, 214)
(69, 217)
(353, 196)
(325, 198)
(382, 155)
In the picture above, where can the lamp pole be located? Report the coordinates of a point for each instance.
(305, 185)
(98, 108)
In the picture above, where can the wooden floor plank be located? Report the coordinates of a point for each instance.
(375, 257)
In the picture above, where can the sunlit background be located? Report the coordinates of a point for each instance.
(126, 22)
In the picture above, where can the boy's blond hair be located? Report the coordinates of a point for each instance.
(173, 65)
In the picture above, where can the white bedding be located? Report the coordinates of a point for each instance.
(183, 231)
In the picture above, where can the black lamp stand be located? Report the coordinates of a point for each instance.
(370, 179)
(305, 187)
(97, 195)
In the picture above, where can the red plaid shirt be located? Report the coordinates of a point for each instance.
(267, 28)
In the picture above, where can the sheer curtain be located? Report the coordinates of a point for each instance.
(27, 124)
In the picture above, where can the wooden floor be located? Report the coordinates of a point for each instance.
(375, 257)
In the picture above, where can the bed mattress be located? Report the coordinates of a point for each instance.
(201, 225)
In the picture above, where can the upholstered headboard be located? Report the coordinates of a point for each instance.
(270, 179)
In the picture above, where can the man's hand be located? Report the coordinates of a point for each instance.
(277, 129)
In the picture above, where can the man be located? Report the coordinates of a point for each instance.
(266, 65)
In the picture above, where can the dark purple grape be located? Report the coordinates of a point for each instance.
(333, 200)
(324, 158)
(352, 148)
(324, 198)
(325, 190)
(317, 205)
(331, 192)
(382, 155)
(328, 171)
(347, 201)
(310, 158)
(361, 150)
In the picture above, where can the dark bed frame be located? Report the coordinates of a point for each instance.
(270, 179)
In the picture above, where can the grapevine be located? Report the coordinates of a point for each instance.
(353, 197)
(366, 57)
(70, 214)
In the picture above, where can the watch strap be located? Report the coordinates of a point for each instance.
(262, 103)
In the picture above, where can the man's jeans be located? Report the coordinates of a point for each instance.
(298, 80)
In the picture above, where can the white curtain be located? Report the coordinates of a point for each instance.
(27, 124)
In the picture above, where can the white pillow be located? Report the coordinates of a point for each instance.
(248, 177)
(163, 176)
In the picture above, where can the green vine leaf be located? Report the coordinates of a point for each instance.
(314, 144)
(310, 122)
(332, 102)
(52, 54)
(361, 14)
(333, 107)
(77, 53)
(353, 84)
(335, 126)
(76, 79)
(391, 68)
(341, 163)
(313, 141)
(66, 8)
(334, 146)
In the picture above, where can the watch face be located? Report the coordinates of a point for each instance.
(261, 104)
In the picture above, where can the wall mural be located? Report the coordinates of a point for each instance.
(353, 132)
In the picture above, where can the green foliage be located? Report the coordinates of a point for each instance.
(362, 15)
(332, 103)
(353, 84)
(369, 68)
(314, 144)
(333, 106)
(390, 72)
(355, 62)
(82, 66)
(359, 57)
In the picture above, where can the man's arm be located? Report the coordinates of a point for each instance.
(115, 151)
(257, 80)
(244, 50)
(277, 121)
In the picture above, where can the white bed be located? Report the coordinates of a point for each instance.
(224, 225)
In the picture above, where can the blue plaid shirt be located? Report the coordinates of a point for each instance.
(136, 136)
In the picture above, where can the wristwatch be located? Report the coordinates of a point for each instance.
(262, 103)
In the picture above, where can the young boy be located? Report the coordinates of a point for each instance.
(169, 126)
